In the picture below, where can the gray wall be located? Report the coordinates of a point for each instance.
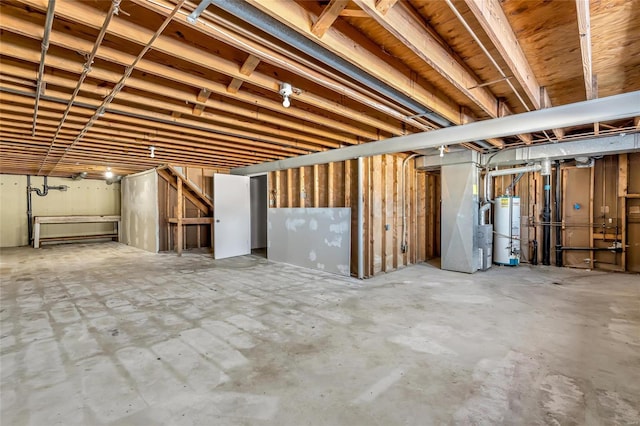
(318, 238)
(459, 251)
(258, 212)
(140, 211)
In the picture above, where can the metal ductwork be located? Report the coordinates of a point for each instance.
(596, 110)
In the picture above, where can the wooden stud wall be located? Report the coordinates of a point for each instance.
(170, 206)
(335, 185)
(603, 193)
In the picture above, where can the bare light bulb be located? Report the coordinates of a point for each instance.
(441, 151)
(152, 150)
(286, 102)
(108, 174)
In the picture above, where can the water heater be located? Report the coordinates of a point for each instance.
(506, 225)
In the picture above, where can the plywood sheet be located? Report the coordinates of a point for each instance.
(575, 213)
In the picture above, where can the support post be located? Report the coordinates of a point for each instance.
(360, 218)
(179, 217)
(546, 222)
(558, 214)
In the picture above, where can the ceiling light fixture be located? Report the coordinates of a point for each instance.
(152, 151)
(108, 174)
(286, 91)
(442, 149)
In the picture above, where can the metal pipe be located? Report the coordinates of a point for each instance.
(193, 17)
(486, 52)
(360, 217)
(558, 213)
(596, 110)
(113, 10)
(45, 46)
(275, 28)
(403, 243)
(612, 249)
(488, 188)
(29, 210)
(546, 218)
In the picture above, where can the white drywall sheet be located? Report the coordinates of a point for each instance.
(140, 211)
(318, 238)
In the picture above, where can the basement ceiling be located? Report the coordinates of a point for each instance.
(207, 94)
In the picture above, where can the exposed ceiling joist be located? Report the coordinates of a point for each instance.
(384, 5)
(285, 58)
(494, 22)
(328, 17)
(356, 52)
(134, 33)
(584, 31)
(412, 32)
(248, 66)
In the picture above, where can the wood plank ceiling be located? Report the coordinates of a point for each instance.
(121, 77)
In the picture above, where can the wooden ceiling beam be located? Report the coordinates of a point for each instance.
(213, 139)
(358, 53)
(584, 31)
(203, 134)
(383, 6)
(182, 141)
(86, 15)
(163, 144)
(203, 95)
(404, 24)
(75, 44)
(495, 24)
(545, 102)
(636, 123)
(354, 13)
(247, 68)
(56, 62)
(219, 28)
(328, 16)
(89, 151)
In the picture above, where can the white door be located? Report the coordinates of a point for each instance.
(231, 216)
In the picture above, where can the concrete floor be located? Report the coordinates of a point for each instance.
(97, 334)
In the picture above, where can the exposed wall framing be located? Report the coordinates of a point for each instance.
(335, 185)
(185, 208)
(600, 209)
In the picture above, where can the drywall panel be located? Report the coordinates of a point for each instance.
(316, 238)
(140, 220)
(258, 212)
(13, 211)
(460, 218)
(83, 197)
